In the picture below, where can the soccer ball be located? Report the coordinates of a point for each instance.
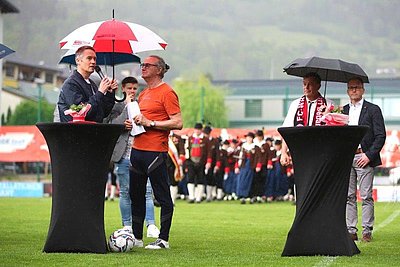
(121, 241)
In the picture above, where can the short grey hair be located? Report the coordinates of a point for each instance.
(161, 64)
(81, 49)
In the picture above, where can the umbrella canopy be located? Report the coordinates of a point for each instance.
(5, 51)
(334, 70)
(114, 36)
(103, 58)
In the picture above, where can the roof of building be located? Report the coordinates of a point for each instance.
(7, 7)
(30, 91)
(386, 87)
(21, 62)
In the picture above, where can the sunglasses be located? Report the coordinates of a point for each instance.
(147, 65)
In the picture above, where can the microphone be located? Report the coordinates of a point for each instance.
(101, 75)
(99, 72)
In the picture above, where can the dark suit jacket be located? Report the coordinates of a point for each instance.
(76, 90)
(374, 139)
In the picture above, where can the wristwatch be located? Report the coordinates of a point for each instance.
(152, 123)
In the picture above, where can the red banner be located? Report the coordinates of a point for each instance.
(22, 144)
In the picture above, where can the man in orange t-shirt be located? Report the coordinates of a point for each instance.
(160, 113)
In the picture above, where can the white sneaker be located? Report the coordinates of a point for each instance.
(138, 243)
(152, 231)
(158, 244)
(127, 228)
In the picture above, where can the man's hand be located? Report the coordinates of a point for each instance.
(285, 159)
(113, 85)
(107, 85)
(104, 85)
(128, 125)
(141, 120)
(363, 161)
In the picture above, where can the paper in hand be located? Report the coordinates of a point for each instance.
(133, 110)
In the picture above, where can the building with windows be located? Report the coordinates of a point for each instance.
(264, 103)
(22, 80)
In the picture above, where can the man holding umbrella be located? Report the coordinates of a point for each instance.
(362, 112)
(78, 88)
(304, 111)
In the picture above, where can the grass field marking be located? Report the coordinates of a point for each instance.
(326, 261)
(329, 260)
(388, 220)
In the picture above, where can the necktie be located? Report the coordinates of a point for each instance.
(309, 112)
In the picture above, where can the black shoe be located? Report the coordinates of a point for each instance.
(367, 237)
(353, 237)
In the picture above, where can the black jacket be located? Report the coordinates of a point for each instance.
(76, 90)
(374, 139)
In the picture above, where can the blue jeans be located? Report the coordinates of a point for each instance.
(122, 172)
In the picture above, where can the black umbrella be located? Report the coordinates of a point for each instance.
(334, 70)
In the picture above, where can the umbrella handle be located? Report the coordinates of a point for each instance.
(120, 100)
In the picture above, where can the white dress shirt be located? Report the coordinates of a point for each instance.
(355, 111)
(289, 120)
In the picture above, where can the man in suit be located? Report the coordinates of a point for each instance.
(362, 112)
(304, 111)
(79, 88)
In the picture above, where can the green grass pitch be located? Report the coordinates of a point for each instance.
(207, 234)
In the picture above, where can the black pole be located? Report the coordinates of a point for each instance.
(112, 60)
(326, 81)
(113, 69)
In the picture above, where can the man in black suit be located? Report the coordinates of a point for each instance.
(79, 88)
(362, 112)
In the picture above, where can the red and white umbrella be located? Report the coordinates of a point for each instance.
(114, 36)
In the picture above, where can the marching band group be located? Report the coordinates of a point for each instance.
(202, 167)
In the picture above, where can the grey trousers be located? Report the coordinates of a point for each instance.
(365, 177)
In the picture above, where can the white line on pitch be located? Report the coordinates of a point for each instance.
(326, 261)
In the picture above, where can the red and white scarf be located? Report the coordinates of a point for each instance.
(300, 119)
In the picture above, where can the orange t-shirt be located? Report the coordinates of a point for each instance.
(156, 104)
